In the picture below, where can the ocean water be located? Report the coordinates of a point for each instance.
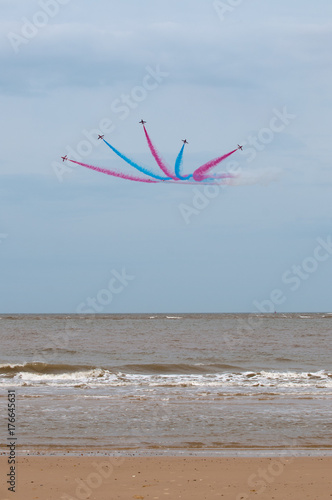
(156, 383)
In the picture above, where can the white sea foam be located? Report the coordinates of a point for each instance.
(101, 378)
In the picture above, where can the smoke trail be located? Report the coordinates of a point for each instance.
(133, 164)
(205, 182)
(113, 173)
(259, 176)
(200, 173)
(178, 165)
(221, 176)
(157, 157)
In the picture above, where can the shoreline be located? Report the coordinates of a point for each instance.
(66, 451)
(194, 478)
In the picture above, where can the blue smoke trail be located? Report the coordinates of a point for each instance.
(178, 164)
(135, 165)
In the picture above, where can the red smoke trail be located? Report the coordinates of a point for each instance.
(115, 174)
(201, 173)
(156, 156)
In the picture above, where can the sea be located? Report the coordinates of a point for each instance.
(216, 384)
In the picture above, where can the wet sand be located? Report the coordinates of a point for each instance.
(191, 478)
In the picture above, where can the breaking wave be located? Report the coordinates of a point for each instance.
(218, 376)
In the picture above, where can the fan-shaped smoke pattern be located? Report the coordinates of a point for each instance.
(201, 175)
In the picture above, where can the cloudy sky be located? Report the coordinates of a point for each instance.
(253, 72)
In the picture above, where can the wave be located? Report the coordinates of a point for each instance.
(160, 368)
(147, 368)
(39, 367)
(86, 376)
(165, 317)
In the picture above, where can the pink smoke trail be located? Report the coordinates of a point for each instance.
(115, 174)
(157, 157)
(201, 173)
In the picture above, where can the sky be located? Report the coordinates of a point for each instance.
(218, 73)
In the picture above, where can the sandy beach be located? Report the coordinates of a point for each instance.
(106, 478)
